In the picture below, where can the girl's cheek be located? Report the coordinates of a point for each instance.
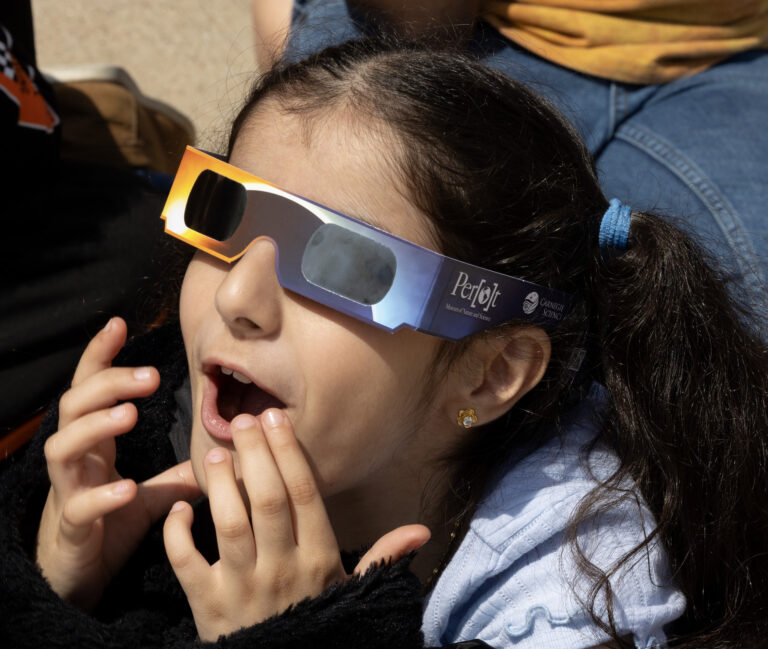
(189, 300)
(185, 310)
(198, 290)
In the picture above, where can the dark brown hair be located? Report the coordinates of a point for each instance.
(509, 186)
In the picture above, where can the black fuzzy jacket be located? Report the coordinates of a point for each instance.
(145, 606)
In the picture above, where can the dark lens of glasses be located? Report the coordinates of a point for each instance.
(348, 264)
(215, 206)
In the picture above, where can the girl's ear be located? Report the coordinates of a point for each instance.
(506, 369)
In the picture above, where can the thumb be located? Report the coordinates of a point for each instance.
(394, 545)
(164, 489)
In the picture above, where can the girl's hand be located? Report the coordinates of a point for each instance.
(93, 520)
(286, 551)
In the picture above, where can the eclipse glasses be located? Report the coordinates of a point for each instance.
(343, 263)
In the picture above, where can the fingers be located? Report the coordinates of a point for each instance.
(310, 519)
(70, 443)
(96, 384)
(262, 569)
(106, 388)
(288, 522)
(233, 529)
(393, 546)
(186, 561)
(102, 349)
(84, 509)
(67, 447)
(91, 522)
(273, 524)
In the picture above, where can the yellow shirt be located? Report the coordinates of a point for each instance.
(637, 41)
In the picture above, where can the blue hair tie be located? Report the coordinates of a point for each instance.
(614, 228)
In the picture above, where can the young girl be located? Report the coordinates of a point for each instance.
(425, 319)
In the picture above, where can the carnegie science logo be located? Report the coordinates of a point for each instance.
(530, 302)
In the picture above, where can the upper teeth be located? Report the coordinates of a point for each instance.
(235, 375)
(240, 377)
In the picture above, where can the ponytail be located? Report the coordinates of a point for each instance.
(688, 416)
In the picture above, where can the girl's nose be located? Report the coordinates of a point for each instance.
(249, 298)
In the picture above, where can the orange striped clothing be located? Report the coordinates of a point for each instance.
(636, 41)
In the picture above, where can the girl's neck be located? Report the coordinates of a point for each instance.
(361, 516)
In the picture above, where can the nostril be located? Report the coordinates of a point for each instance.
(246, 323)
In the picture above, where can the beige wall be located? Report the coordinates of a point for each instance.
(196, 55)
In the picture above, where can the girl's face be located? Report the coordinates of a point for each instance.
(352, 391)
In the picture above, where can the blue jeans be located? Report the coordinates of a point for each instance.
(695, 149)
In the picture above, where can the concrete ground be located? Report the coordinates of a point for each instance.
(196, 55)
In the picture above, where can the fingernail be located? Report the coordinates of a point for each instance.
(120, 488)
(215, 456)
(118, 412)
(241, 422)
(177, 507)
(273, 417)
(110, 324)
(142, 373)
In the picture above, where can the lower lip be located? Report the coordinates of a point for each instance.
(213, 422)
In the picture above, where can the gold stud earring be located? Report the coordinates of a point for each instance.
(467, 417)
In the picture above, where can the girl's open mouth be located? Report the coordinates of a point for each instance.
(226, 394)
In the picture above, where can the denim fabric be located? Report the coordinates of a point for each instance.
(695, 149)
